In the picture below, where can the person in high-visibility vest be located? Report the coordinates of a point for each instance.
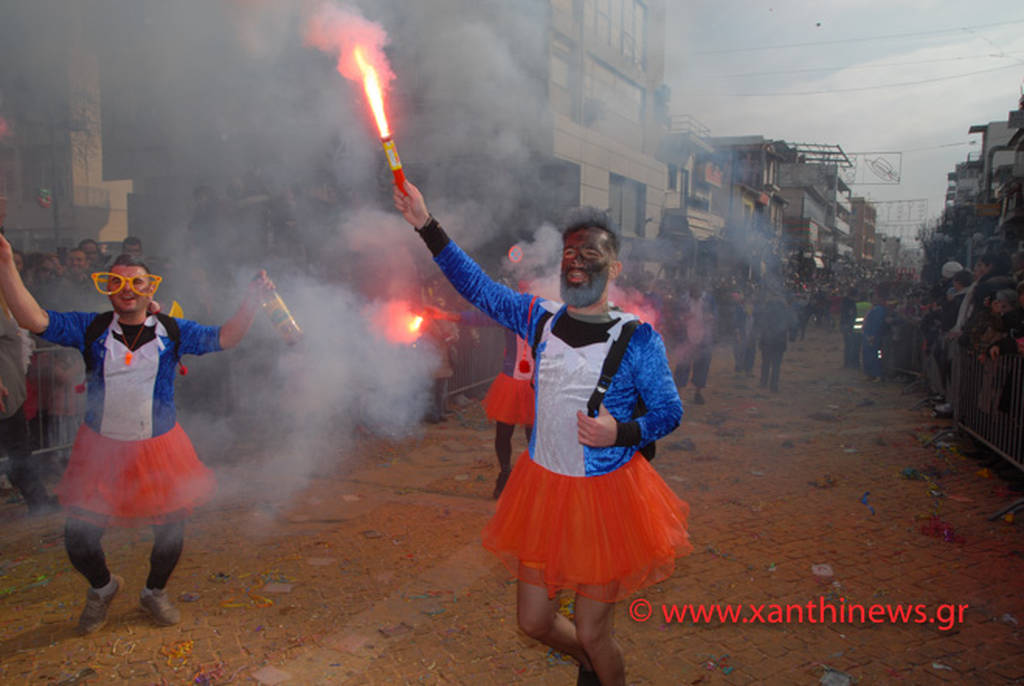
(850, 322)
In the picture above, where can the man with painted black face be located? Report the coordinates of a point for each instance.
(582, 511)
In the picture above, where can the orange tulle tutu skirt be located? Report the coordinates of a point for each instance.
(510, 401)
(133, 482)
(604, 537)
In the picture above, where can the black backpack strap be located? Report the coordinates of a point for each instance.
(97, 326)
(173, 331)
(542, 319)
(610, 366)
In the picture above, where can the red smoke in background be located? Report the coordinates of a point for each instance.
(633, 301)
(5, 129)
(339, 30)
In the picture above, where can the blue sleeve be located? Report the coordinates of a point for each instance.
(509, 308)
(648, 364)
(68, 328)
(197, 339)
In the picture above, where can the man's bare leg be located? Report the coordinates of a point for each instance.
(594, 632)
(539, 618)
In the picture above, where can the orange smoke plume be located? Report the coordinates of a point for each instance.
(340, 31)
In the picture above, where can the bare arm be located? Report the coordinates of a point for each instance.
(234, 329)
(23, 306)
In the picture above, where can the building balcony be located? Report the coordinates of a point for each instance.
(842, 227)
(90, 196)
(704, 224)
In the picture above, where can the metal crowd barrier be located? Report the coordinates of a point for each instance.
(988, 403)
(902, 349)
(56, 403)
(478, 355)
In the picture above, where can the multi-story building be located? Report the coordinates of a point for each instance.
(996, 157)
(863, 229)
(51, 153)
(609, 102)
(753, 206)
(817, 216)
(696, 183)
(1010, 194)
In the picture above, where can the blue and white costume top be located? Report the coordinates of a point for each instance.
(566, 376)
(130, 402)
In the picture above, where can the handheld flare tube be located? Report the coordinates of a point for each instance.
(394, 162)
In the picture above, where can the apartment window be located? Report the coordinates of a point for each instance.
(634, 31)
(619, 24)
(673, 177)
(604, 21)
(627, 200)
(619, 94)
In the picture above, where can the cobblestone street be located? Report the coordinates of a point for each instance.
(825, 494)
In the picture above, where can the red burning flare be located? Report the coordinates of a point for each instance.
(371, 86)
(399, 322)
(358, 43)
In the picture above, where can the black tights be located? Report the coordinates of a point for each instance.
(503, 443)
(82, 541)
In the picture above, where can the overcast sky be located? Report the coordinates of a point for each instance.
(730, 64)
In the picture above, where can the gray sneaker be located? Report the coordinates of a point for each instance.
(159, 607)
(94, 616)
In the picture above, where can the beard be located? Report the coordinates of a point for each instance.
(586, 294)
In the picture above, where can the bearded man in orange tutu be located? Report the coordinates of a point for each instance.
(582, 511)
(131, 462)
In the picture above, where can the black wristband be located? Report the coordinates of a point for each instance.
(627, 433)
(433, 235)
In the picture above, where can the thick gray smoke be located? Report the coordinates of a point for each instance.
(222, 113)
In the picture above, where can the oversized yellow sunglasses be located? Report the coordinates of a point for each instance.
(109, 283)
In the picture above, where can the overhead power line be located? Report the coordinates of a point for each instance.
(851, 67)
(902, 84)
(863, 39)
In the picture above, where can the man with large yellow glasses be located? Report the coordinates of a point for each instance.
(131, 462)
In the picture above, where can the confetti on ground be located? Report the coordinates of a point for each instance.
(940, 529)
(180, 651)
(208, 677)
